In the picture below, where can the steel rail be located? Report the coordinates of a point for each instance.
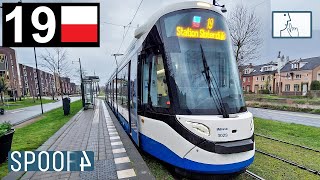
(254, 175)
(278, 140)
(289, 162)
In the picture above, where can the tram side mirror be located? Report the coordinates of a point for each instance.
(223, 9)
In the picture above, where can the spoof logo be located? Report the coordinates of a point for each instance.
(51, 161)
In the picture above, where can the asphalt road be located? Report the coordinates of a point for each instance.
(20, 115)
(285, 116)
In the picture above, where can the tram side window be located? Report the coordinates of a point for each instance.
(123, 86)
(159, 89)
(145, 81)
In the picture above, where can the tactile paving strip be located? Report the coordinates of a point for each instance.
(103, 169)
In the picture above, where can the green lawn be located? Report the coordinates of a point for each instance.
(25, 103)
(294, 133)
(32, 136)
(270, 168)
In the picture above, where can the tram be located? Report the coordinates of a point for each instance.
(177, 92)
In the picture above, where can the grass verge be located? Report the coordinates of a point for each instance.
(282, 99)
(270, 168)
(284, 108)
(32, 136)
(293, 133)
(25, 103)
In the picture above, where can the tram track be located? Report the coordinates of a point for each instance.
(251, 174)
(278, 140)
(292, 163)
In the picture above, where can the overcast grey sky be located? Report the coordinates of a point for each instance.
(121, 12)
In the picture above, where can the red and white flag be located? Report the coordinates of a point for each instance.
(79, 24)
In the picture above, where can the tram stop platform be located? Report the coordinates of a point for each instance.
(97, 130)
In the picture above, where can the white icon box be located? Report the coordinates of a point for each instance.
(292, 24)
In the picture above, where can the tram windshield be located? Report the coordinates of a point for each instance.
(201, 63)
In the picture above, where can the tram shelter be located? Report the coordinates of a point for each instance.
(90, 91)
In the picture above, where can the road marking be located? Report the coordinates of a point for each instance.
(121, 160)
(17, 111)
(126, 173)
(120, 150)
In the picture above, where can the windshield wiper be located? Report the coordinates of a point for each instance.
(218, 98)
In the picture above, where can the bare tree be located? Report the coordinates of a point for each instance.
(3, 87)
(56, 62)
(245, 32)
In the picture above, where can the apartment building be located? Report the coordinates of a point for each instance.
(66, 87)
(29, 81)
(9, 70)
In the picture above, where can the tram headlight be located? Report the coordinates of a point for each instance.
(204, 4)
(201, 128)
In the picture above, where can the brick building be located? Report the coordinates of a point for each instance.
(258, 78)
(9, 70)
(29, 82)
(297, 75)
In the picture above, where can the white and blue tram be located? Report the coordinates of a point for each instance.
(178, 95)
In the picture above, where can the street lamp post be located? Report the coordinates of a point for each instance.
(115, 58)
(38, 78)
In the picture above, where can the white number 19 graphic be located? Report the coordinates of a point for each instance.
(50, 25)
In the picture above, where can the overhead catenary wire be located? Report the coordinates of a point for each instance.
(119, 25)
(125, 34)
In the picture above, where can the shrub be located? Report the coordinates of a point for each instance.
(264, 91)
(4, 128)
(315, 85)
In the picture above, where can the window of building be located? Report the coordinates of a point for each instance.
(248, 79)
(296, 87)
(288, 76)
(244, 79)
(287, 87)
(257, 79)
(318, 77)
(262, 78)
(298, 76)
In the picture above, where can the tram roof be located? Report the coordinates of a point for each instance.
(146, 27)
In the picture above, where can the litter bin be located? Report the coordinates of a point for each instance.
(66, 106)
(1, 111)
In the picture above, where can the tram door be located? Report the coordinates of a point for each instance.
(134, 126)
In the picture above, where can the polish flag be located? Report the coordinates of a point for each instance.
(79, 24)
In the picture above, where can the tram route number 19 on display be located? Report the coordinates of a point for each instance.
(51, 24)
